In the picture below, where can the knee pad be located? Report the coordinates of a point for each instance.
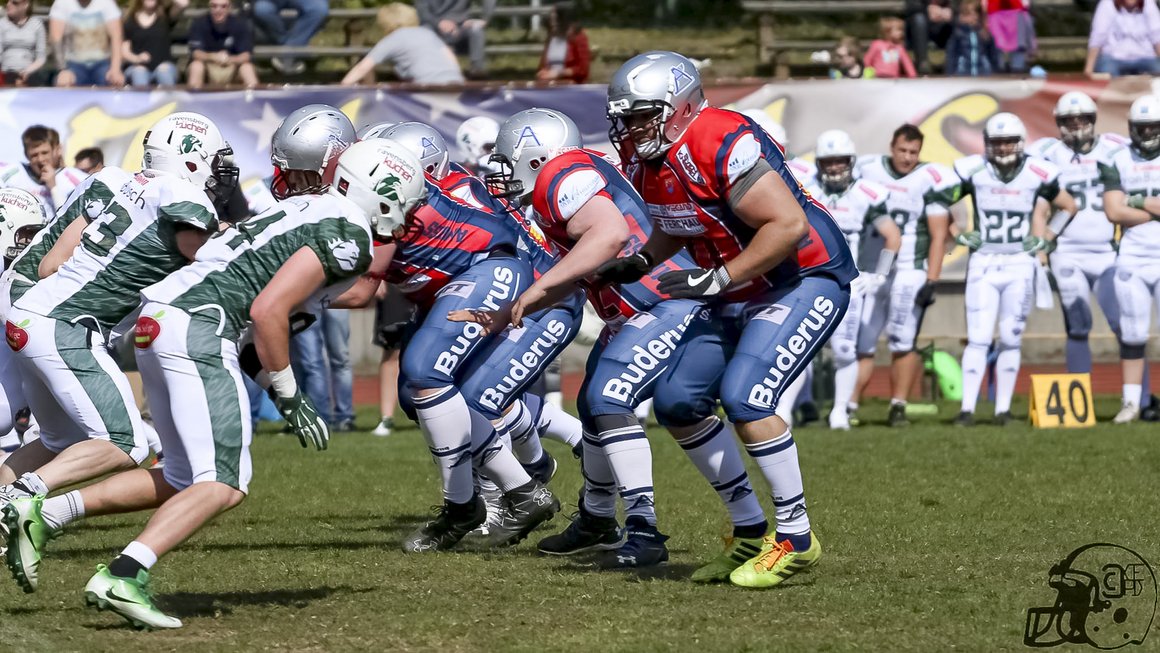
(844, 352)
(1077, 319)
(1011, 333)
(625, 424)
(1129, 351)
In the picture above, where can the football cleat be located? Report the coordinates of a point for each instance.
(839, 420)
(737, 551)
(1004, 418)
(524, 508)
(543, 469)
(8, 494)
(128, 597)
(451, 524)
(644, 545)
(965, 419)
(27, 535)
(493, 499)
(384, 427)
(776, 563)
(587, 532)
(897, 416)
(1128, 413)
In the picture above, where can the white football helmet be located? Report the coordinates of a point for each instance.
(374, 130)
(1075, 114)
(189, 145)
(771, 126)
(835, 155)
(21, 216)
(476, 138)
(425, 143)
(1003, 138)
(1144, 125)
(527, 141)
(384, 178)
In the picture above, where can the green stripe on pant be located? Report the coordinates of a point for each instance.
(204, 348)
(73, 343)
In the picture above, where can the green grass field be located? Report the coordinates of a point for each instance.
(936, 539)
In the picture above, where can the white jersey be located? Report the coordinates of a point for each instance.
(1090, 231)
(862, 204)
(928, 190)
(1131, 173)
(805, 172)
(1004, 208)
(18, 175)
(129, 243)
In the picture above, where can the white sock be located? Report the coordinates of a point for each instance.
(152, 438)
(493, 457)
(845, 378)
(141, 553)
(599, 483)
(788, 399)
(1006, 371)
(778, 461)
(714, 453)
(62, 510)
(1132, 393)
(643, 409)
(445, 420)
(974, 367)
(630, 457)
(559, 425)
(518, 425)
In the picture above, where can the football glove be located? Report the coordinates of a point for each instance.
(925, 295)
(625, 269)
(693, 284)
(972, 240)
(304, 420)
(867, 283)
(1136, 201)
(1034, 244)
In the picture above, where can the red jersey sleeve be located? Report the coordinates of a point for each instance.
(718, 148)
(565, 185)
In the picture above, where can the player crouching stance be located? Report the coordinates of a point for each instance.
(774, 268)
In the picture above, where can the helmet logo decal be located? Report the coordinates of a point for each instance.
(681, 79)
(388, 187)
(429, 147)
(527, 134)
(189, 143)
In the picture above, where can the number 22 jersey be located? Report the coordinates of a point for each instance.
(1003, 208)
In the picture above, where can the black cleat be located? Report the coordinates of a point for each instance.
(1003, 419)
(452, 522)
(897, 416)
(644, 545)
(543, 469)
(1151, 412)
(524, 508)
(587, 532)
(965, 419)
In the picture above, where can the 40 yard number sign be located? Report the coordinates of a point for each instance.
(1062, 400)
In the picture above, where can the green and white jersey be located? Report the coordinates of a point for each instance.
(1133, 174)
(928, 190)
(1089, 232)
(862, 204)
(1003, 209)
(130, 243)
(24, 271)
(236, 264)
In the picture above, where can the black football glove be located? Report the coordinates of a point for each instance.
(695, 283)
(925, 295)
(626, 269)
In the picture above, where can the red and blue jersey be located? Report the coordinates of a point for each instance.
(443, 239)
(566, 184)
(687, 193)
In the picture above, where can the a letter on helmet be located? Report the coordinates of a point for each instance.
(526, 142)
(21, 216)
(384, 179)
(663, 85)
(1075, 115)
(426, 143)
(310, 139)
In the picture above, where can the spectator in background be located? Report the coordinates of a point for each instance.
(1010, 25)
(416, 53)
(449, 20)
(927, 21)
(85, 36)
(320, 357)
(23, 45)
(392, 314)
(887, 55)
(311, 15)
(44, 175)
(1125, 38)
(971, 50)
(90, 160)
(221, 46)
(566, 54)
(846, 61)
(148, 45)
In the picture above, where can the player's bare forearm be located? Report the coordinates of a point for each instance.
(662, 246)
(891, 234)
(366, 288)
(62, 249)
(939, 228)
(1118, 211)
(298, 278)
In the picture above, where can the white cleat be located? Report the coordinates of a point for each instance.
(839, 421)
(1127, 414)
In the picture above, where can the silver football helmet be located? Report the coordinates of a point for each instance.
(652, 99)
(309, 140)
(426, 143)
(374, 130)
(527, 141)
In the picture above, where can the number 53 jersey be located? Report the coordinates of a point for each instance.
(130, 243)
(1003, 208)
(1090, 231)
